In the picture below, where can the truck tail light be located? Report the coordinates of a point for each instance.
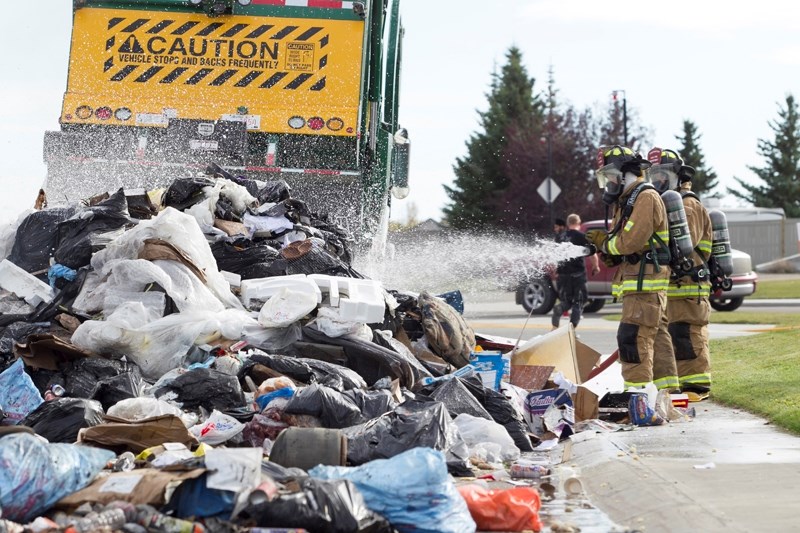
(316, 123)
(103, 113)
(297, 122)
(123, 113)
(83, 112)
(335, 124)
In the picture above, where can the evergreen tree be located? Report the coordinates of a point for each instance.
(480, 176)
(781, 172)
(705, 179)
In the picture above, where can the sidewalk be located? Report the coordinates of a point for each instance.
(648, 479)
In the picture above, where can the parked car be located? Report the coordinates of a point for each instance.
(540, 294)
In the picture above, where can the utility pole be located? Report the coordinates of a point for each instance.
(550, 177)
(624, 114)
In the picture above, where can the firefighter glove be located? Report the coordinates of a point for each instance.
(597, 237)
(611, 260)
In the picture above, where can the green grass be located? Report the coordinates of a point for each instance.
(743, 317)
(777, 288)
(760, 374)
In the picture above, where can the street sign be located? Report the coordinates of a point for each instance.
(554, 190)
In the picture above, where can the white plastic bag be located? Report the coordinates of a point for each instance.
(217, 429)
(476, 431)
(158, 346)
(286, 307)
(180, 230)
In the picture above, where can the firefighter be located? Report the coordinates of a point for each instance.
(688, 308)
(638, 243)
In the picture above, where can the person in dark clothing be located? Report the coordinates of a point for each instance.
(559, 227)
(572, 274)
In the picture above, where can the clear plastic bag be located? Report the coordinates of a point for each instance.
(35, 474)
(18, 395)
(476, 431)
(412, 490)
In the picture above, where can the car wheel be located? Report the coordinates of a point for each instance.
(594, 305)
(537, 297)
(729, 304)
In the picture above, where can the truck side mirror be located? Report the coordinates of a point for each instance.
(399, 170)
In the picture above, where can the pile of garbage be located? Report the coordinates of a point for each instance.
(205, 358)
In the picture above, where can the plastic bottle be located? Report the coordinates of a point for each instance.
(155, 521)
(529, 470)
(125, 462)
(110, 519)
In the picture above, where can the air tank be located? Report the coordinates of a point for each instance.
(721, 241)
(678, 226)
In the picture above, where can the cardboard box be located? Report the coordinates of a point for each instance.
(586, 405)
(492, 366)
(560, 349)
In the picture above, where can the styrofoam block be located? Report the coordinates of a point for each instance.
(26, 286)
(361, 300)
(234, 279)
(263, 288)
(329, 284)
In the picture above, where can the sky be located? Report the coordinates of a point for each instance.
(725, 65)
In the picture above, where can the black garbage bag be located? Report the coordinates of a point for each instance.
(273, 192)
(413, 423)
(205, 387)
(306, 370)
(186, 192)
(319, 506)
(114, 389)
(97, 377)
(370, 360)
(69, 290)
(372, 403)
(76, 235)
(61, 419)
(37, 237)
(282, 364)
(458, 399)
(331, 407)
(249, 260)
(18, 332)
(501, 411)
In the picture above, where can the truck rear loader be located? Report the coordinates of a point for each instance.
(300, 90)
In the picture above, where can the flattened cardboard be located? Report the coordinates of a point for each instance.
(46, 350)
(140, 486)
(120, 435)
(530, 377)
(560, 349)
(586, 405)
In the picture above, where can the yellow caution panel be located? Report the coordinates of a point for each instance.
(278, 75)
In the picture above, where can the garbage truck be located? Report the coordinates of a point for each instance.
(304, 91)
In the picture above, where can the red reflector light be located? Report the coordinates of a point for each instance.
(103, 113)
(316, 123)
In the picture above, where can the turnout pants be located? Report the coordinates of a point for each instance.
(688, 327)
(665, 370)
(641, 314)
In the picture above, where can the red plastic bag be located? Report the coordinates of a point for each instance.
(514, 509)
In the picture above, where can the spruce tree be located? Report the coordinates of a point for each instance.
(781, 171)
(479, 176)
(705, 179)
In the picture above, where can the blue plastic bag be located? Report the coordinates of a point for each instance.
(18, 394)
(35, 474)
(412, 490)
(264, 399)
